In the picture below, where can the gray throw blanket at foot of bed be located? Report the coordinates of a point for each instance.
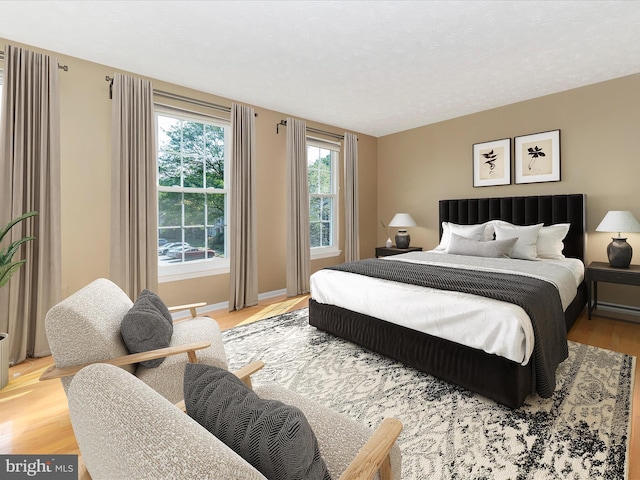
(538, 298)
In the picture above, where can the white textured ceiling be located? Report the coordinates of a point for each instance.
(376, 67)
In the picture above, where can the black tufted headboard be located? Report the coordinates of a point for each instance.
(547, 209)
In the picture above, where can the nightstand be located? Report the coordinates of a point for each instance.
(603, 272)
(386, 251)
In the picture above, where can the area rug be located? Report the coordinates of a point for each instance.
(582, 432)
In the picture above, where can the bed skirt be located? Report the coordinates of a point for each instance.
(492, 376)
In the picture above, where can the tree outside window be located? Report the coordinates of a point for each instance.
(321, 170)
(192, 194)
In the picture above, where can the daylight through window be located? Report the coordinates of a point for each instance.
(322, 160)
(192, 193)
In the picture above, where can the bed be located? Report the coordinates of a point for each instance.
(507, 380)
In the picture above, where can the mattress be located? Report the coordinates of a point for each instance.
(481, 323)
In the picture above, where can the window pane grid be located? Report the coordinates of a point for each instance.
(192, 200)
(322, 195)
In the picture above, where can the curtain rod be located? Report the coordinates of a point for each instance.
(61, 67)
(193, 101)
(182, 98)
(183, 110)
(310, 129)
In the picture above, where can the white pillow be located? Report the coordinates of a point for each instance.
(525, 247)
(493, 223)
(473, 232)
(550, 239)
(489, 231)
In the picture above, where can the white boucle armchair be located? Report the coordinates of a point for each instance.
(85, 328)
(126, 430)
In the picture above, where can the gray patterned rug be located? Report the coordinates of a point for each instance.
(582, 432)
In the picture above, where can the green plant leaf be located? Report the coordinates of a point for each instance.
(5, 257)
(7, 266)
(7, 271)
(10, 225)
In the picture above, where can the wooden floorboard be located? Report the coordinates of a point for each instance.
(621, 334)
(35, 417)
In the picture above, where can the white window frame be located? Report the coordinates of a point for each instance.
(197, 268)
(333, 250)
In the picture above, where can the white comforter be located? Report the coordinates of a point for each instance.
(493, 326)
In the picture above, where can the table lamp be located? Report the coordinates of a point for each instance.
(402, 220)
(619, 251)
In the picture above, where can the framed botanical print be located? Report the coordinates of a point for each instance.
(537, 157)
(492, 163)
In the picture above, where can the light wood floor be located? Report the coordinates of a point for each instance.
(34, 418)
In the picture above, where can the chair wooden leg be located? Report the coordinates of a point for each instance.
(245, 372)
(247, 382)
(374, 455)
(385, 469)
(193, 358)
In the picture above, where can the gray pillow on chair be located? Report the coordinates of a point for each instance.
(273, 437)
(158, 303)
(145, 328)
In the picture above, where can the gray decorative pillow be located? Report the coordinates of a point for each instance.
(273, 437)
(494, 248)
(158, 303)
(145, 328)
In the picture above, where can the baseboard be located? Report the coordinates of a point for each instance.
(225, 305)
(630, 313)
(273, 293)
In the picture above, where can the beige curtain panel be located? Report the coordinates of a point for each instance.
(243, 239)
(30, 180)
(134, 198)
(298, 242)
(352, 237)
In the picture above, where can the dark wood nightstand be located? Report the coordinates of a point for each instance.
(386, 251)
(603, 272)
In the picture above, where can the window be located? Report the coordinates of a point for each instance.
(322, 161)
(192, 196)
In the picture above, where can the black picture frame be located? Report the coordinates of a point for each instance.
(492, 163)
(537, 157)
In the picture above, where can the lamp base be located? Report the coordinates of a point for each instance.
(402, 239)
(619, 252)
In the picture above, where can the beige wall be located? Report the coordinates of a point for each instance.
(408, 171)
(85, 172)
(600, 156)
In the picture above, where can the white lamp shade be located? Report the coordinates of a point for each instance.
(619, 221)
(402, 220)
